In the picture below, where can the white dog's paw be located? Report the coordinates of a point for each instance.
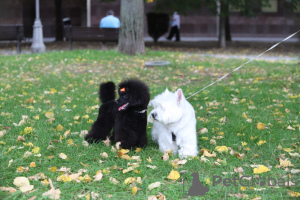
(183, 153)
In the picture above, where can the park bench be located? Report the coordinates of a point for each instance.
(12, 32)
(91, 34)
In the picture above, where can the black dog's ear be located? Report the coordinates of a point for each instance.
(107, 92)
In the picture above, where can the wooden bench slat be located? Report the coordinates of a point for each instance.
(12, 32)
(77, 33)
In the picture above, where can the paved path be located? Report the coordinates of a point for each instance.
(238, 39)
(249, 57)
(187, 41)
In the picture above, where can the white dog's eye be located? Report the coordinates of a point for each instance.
(161, 107)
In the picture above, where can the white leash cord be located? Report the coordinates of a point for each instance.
(244, 64)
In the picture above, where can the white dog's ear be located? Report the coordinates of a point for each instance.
(180, 96)
(166, 90)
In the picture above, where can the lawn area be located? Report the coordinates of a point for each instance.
(247, 122)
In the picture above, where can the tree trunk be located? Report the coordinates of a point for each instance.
(222, 36)
(227, 29)
(58, 17)
(131, 37)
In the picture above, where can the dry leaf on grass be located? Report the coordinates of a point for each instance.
(154, 185)
(293, 194)
(104, 155)
(203, 130)
(52, 193)
(63, 156)
(261, 126)
(221, 149)
(107, 142)
(129, 180)
(134, 190)
(8, 189)
(23, 184)
(165, 157)
(206, 154)
(174, 175)
(98, 176)
(284, 163)
(114, 181)
(260, 169)
(128, 170)
(49, 115)
(151, 166)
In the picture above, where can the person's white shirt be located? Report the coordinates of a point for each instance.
(109, 21)
(176, 20)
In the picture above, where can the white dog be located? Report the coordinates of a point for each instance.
(174, 123)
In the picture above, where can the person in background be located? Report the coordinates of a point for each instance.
(110, 21)
(175, 27)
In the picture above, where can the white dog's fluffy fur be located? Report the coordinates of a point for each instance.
(172, 113)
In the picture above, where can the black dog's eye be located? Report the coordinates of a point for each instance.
(125, 96)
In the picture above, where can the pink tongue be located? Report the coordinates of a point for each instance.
(122, 107)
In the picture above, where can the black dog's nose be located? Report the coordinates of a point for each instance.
(154, 115)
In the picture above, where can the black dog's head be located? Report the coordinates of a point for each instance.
(132, 93)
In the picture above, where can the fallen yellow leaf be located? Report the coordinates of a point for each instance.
(285, 163)
(260, 169)
(49, 115)
(221, 149)
(45, 182)
(123, 151)
(293, 194)
(36, 150)
(128, 170)
(28, 130)
(242, 188)
(52, 169)
(129, 180)
(59, 127)
(134, 190)
(206, 154)
(288, 149)
(220, 133)
(261, 142)
(174, 175)
(32, 164)
(261, 126)
(125, 157)
(64, 178)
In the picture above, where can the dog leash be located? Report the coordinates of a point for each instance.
(244, 64)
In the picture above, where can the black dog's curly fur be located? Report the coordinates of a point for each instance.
(126, 116)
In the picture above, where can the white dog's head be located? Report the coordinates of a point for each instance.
(167, 107)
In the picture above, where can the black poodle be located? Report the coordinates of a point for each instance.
(126, 116)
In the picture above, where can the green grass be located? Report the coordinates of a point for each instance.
(66, 84)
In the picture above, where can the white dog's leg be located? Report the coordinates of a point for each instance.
(187, 150)
(155, 131)
(187, 143)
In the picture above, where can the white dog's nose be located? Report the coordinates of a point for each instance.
(154, 115)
